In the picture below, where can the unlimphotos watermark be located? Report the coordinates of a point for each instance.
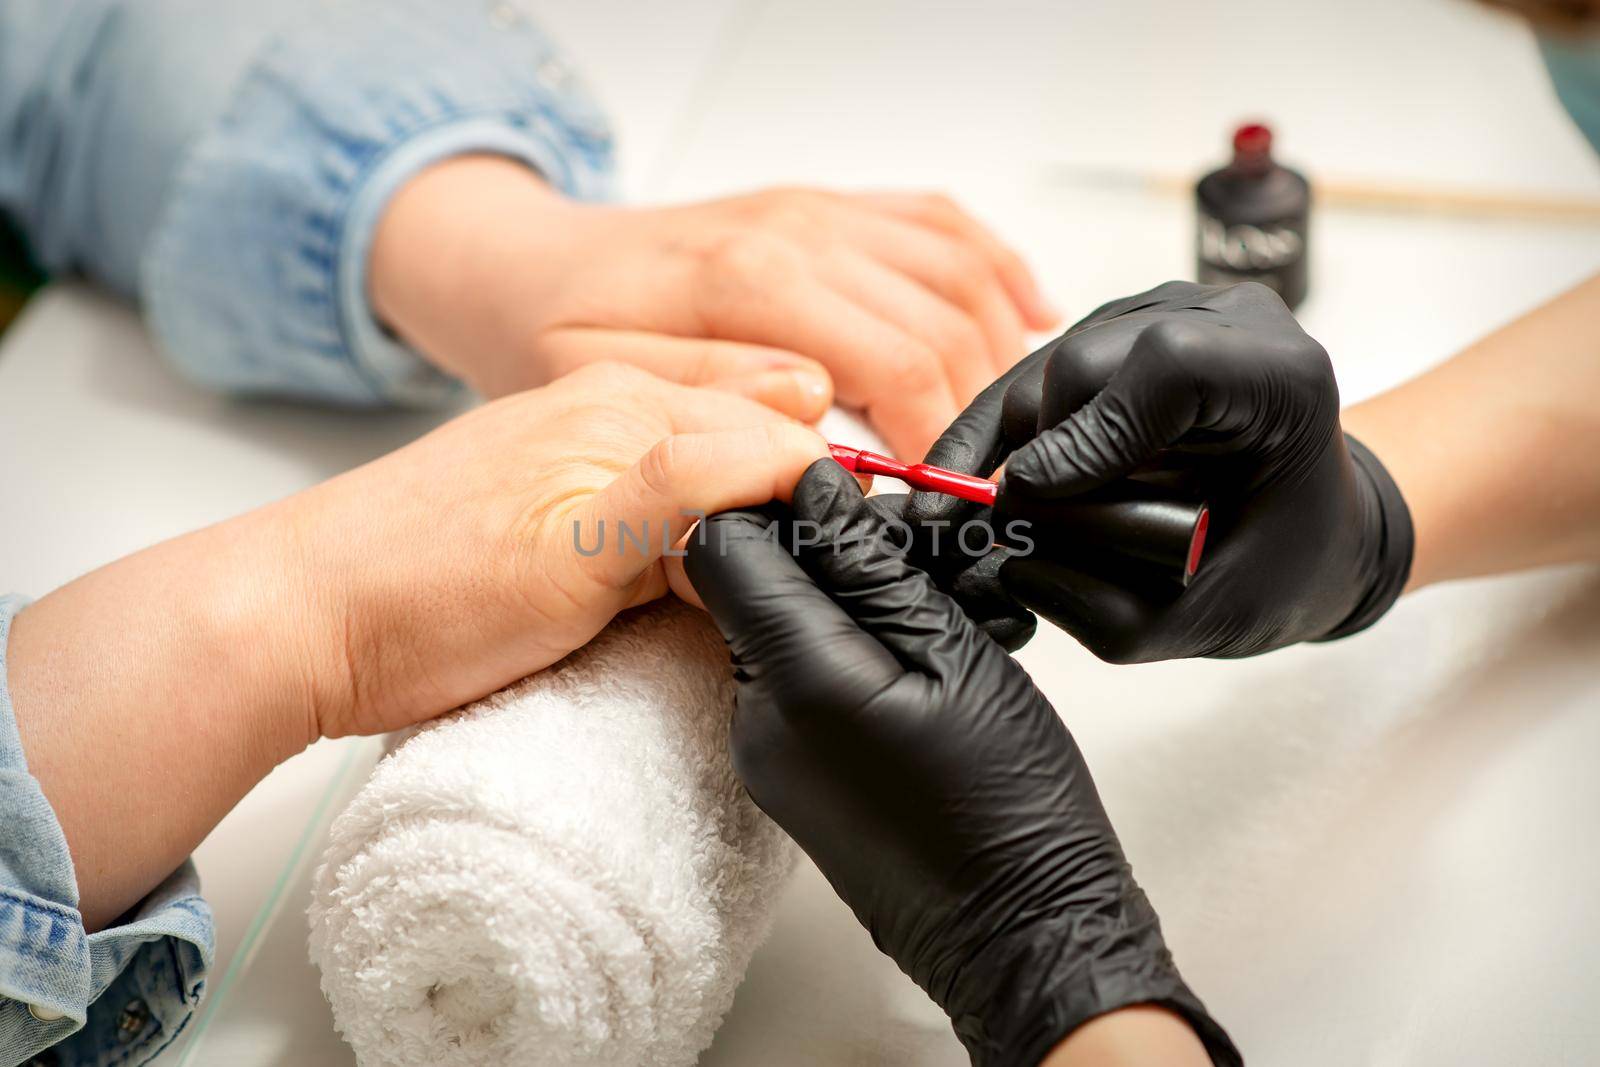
(932, 539)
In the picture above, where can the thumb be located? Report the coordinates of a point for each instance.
(782, 628)
(858, 554)
(782, 380)
(685, 477)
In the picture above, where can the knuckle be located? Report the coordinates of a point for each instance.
(1174, 340)
(1077, 368)
(1313, 372)
(915, 369)
(1069, 348)
(608, 376)
(787, 438)
(752, 260)
(1179, 289)
(961, 336)
(969, 271)
(792, 211)
(702, 363)
(1011, 261)
(942, 205)
(1253, 294)
(659, 465)
(1314, 362)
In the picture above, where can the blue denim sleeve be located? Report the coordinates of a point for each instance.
(114, 997)
(228, 160)
(256, 276)
(1574, 65)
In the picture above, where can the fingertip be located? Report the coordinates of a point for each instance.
(1016, 479)
(833, 473)
(793, 450)
(1041, 313)
(801, 392)
(924, 508)
(1026, 294)
(1010, 632)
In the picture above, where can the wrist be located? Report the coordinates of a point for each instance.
(300, 618)
(1131, 1037)
(1031, 990)
(459, 245)
(1388, 540)
(1388, 430)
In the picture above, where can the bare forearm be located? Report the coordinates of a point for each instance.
(152, 694)
(1496, 449)
(1140, 1036)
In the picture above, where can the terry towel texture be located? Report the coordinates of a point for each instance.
(567, 872)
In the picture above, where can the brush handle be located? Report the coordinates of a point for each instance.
(920, 476)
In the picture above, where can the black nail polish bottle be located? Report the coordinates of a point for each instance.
(1253, 220)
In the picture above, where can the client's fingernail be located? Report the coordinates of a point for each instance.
(816, 391)
(800, 394)
(814, 385)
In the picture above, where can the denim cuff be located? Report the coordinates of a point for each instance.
(398, 370)
(117, 996)
(256, 278)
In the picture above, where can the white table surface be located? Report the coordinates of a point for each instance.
(1374, 852)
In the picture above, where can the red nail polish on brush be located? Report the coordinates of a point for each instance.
(1133, 520)
(921, 476)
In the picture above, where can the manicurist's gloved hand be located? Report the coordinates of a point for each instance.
(1216, 389)
(929, 780)
(964, 567)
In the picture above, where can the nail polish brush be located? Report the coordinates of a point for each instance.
(1131, 519)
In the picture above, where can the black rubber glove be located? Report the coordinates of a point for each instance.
(965, 568)
(1218, 391)
(932, 784)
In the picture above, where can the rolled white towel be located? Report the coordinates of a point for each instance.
(567, 872)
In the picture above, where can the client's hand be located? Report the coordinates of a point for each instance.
(163, 686)
(933, 785)
(901, 304)
(509, 537)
